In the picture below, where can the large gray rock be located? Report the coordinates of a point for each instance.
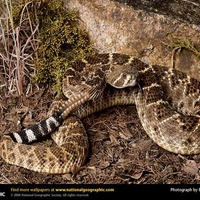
(141, 29)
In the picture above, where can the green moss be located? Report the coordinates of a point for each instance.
(62, 42)
(178, 45)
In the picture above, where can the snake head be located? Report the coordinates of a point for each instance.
(123, 76)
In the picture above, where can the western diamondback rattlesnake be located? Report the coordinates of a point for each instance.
(167, 102)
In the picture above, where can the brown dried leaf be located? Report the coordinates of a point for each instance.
(104, 165)
(136, 176)
(142, 144)
(190, 167)
(67, 176)
(125, 134)
(113, 141)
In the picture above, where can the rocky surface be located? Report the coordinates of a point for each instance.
(143, 28)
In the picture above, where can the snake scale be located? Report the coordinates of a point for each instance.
(167, 102)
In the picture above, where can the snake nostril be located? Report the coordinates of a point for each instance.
(124, 75)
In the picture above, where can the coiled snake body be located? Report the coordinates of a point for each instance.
(167, 102)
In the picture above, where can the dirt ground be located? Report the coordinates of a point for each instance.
(120, 150)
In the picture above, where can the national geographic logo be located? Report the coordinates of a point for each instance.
(2, 194)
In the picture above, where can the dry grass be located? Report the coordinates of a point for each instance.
(18, 45)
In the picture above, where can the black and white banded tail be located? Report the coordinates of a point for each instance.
(38, 130)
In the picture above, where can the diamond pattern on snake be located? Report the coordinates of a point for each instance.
(167, 103)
